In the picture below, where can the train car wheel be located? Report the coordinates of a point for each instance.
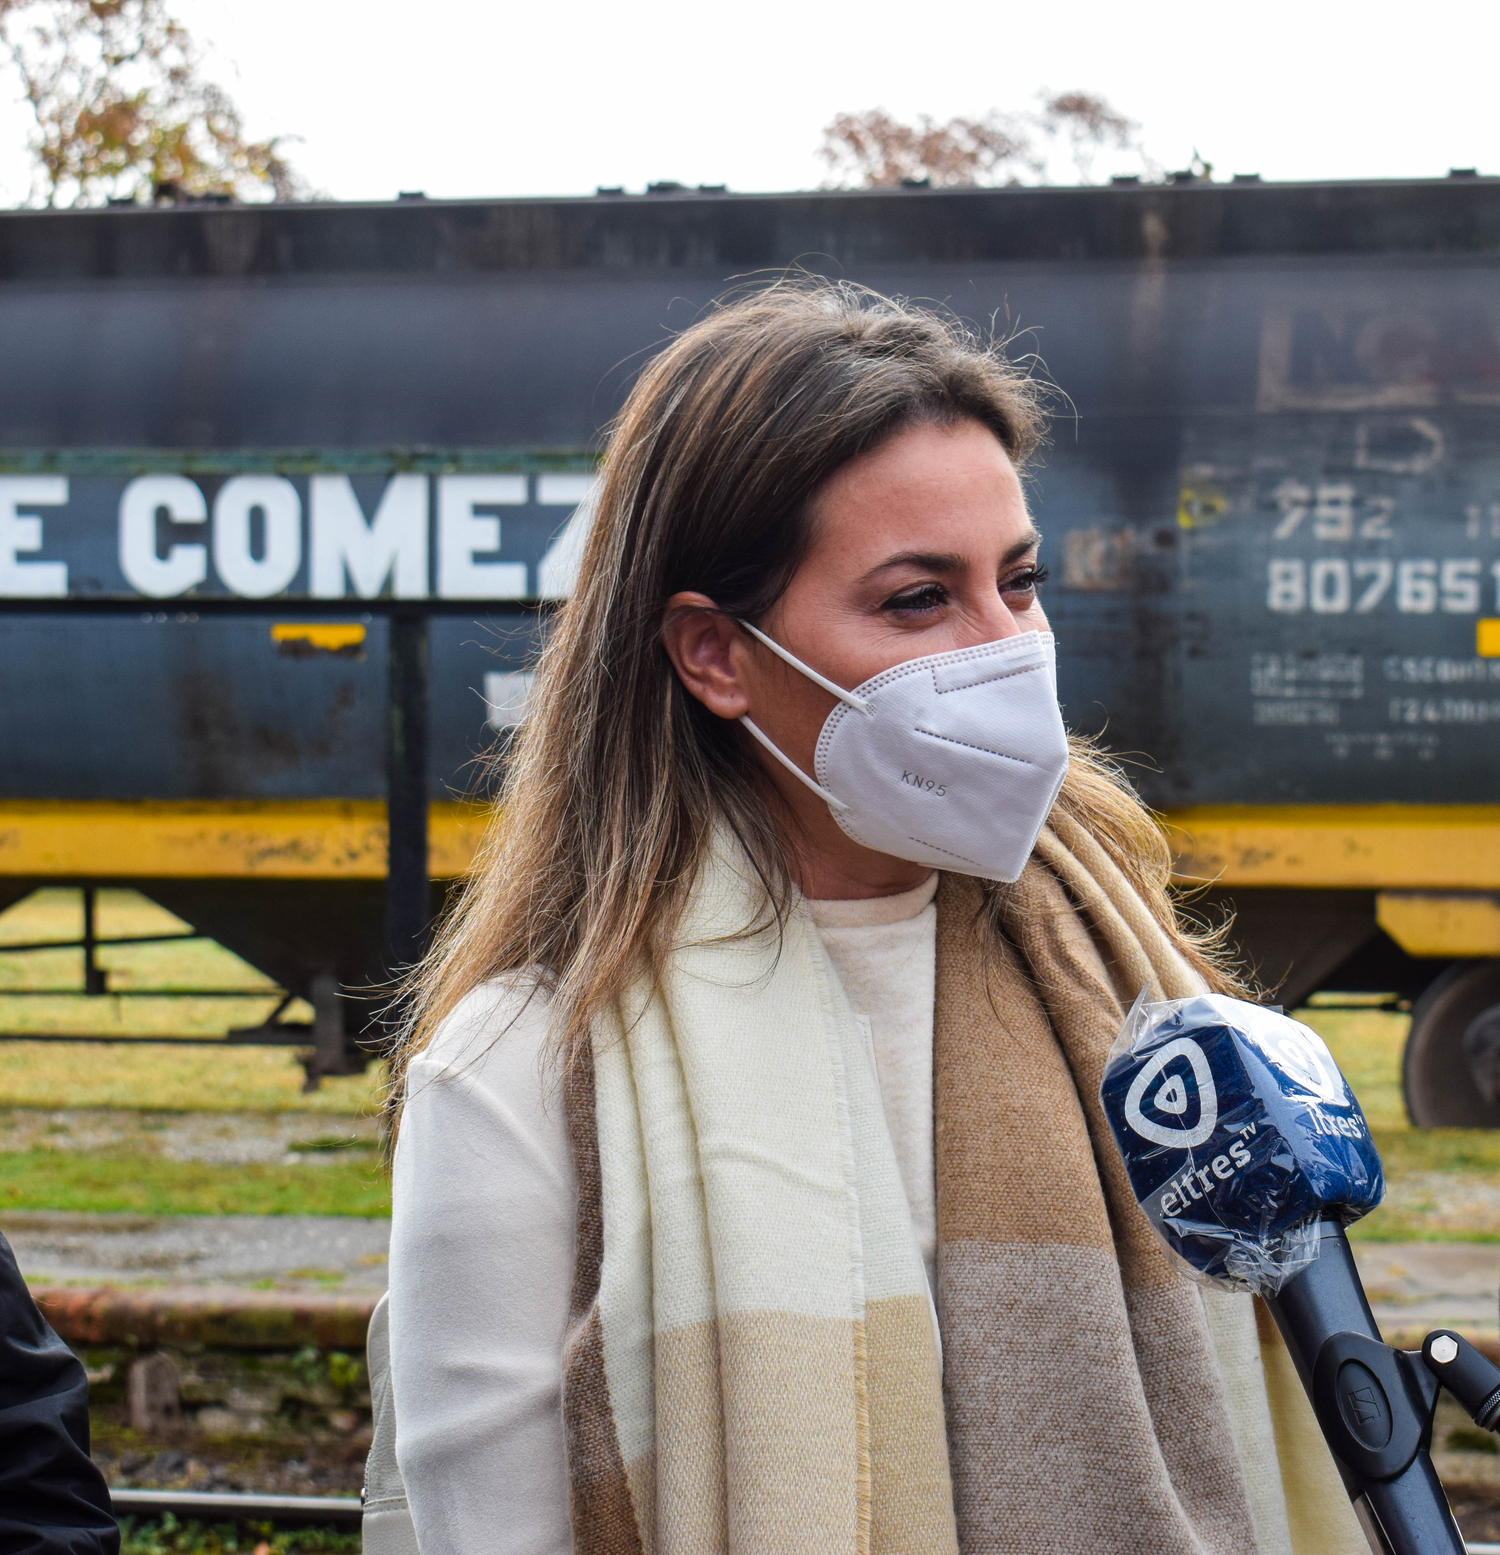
(1450, 1082)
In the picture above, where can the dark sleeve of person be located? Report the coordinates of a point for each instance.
(53, 1500)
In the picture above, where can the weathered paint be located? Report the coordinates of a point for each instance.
(317, 839)
(1416, 847)
(1392, 847)
(1431, 923)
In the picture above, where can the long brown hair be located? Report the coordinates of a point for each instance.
(611, 791)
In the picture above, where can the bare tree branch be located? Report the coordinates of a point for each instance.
(1090, 125)
(876, 150)
(879, 150)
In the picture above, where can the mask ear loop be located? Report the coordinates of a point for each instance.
(812, 674)
(832, 800)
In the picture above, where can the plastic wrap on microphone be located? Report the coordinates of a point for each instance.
(1238, 1134)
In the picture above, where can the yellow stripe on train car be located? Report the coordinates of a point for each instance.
(1432, 848)
(1392, 846)
(312, 839)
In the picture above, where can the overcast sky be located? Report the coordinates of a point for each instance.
(483, 97)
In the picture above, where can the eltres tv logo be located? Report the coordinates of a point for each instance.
(1302, 1062)
(1172, 1101)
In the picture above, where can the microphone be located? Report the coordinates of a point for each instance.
(1249, 1154)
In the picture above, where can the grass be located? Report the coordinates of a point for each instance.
(142, 1184)
(1442, 1185)
(56, 913)
(53, 1073)
(1367, 1045)
(57, 1074)
(171, 1537)
(1470, 1150)
(1418, 1222)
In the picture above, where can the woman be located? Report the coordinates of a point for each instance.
(751, 1190)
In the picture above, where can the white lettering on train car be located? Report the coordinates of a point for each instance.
(1286, 584)
(1376, 573)
(239, 568)
(23, 532)
(1430, 669)
(145, 568)
(464, 533)
(1443, 710)
(1458, 583)
(392, 545)
(506, 693)
(557, 571)
(559, 491)
(1332, 504)
(1424, 584)
(257, 535)
(1416, 586)
(1328, 591)
(1476, 518)
(1415, 454)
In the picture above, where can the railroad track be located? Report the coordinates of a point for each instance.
(344, 1511)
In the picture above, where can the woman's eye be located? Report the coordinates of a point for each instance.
(1024, 582)
(926, 596)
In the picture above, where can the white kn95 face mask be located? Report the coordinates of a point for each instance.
(952, 760)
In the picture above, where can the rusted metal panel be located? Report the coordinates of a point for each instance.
(244, 1320)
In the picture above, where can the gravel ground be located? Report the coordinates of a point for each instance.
(222, 1138)
(325, 1252)
(1432, 1284)
(308, 1469)
(1409, 1283)
(1457, 1203)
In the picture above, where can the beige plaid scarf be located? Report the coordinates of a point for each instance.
(752, 1364)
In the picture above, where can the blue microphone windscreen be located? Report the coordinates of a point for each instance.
(1239, 1134)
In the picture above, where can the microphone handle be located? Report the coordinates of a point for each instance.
(1404, 1515)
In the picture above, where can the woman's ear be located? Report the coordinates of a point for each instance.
(707, 649)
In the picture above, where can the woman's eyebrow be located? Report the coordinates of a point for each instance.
(949, 561)
(926, 561)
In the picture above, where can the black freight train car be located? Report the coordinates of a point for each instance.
(244, 450)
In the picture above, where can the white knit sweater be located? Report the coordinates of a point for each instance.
(483, 1220)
